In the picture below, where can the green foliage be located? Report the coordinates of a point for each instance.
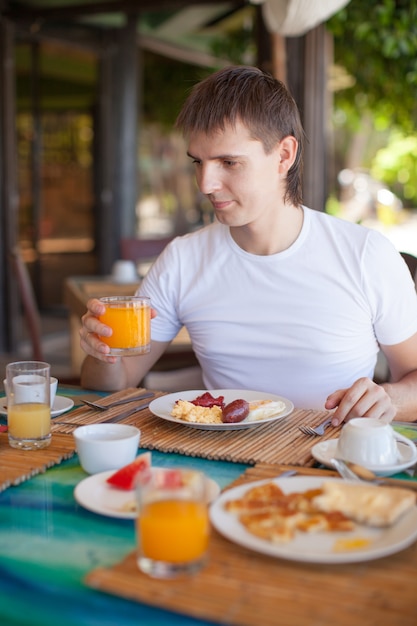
(166, 84)
(376, 41)
(238, 46)
(396, 164)
(333, 206)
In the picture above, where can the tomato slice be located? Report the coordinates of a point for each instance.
(125, 477)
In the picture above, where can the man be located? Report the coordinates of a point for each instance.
(275, 296)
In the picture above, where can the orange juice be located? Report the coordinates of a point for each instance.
(130, 323)
(174, 531)
(30, 420)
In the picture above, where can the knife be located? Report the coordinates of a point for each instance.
(127, 413)
(110, 420)
(105, 407)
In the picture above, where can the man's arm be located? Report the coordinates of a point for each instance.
(396, 399)
(402, 387)
(121, 372)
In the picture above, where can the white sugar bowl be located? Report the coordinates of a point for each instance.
(103, 447)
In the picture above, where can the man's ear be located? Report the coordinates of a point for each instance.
(287, 153)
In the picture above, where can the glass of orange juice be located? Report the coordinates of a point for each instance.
(129, 317)
(172, 526)
(28, 404)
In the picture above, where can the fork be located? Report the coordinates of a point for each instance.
(318, 431)
(104, 407)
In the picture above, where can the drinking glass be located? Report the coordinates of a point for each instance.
(172, 526)
(28, 404)
(129, 317)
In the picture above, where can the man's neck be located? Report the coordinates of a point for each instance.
(270, 238)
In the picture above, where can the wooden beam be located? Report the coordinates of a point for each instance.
(20, 11)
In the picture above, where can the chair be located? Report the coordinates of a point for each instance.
(174, 371)
(30, 306)
(411, 261)
(32, 317)
(142, 250)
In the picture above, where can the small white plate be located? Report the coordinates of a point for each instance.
(324, 451)
(162, 407)
(61, 405)
(314, 547)
(96, 495)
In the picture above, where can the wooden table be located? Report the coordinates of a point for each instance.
(79, 289)
(74, 567)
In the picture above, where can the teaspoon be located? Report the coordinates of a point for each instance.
(354, 471)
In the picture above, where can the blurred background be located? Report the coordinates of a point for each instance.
(89, 94)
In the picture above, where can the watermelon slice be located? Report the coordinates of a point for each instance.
(173, 479)
(125, 477)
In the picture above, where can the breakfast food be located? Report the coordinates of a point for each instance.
(270, 514)
(206, 399)
(125, 477)
(206, 409)
(262, 409)
(236, 411)
(189, 412)
(366, 504)
(267, 512)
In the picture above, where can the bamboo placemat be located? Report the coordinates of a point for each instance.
(279, 442)
(16, 466)
(240, 587)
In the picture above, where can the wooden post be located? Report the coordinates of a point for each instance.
(279, 57)
(10, 328)
(307, 63)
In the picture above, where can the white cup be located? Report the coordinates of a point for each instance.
(25, 392)
(370, 442)
(124, 271)
(102, 447)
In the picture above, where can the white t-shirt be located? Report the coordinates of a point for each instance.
(301, 323)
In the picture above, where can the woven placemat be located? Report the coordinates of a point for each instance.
(278, 442)
(246, 588)
(16, 466)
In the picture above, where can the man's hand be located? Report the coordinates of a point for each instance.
(363, 399)
(91, 330)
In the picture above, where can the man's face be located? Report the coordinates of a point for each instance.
(240, 180)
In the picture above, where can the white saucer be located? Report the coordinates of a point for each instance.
(324, 451)
(95, 494)
(61, 404)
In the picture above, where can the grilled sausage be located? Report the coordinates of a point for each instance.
(235, 411)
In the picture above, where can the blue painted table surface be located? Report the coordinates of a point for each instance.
(48, 543)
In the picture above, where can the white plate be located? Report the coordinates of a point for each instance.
(314, 547)
(61, 404)
(162, 407)
(95, 494)
(324, 451)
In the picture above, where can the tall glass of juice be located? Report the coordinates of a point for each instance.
(28, 404)
(129, 317)
(172, 526)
